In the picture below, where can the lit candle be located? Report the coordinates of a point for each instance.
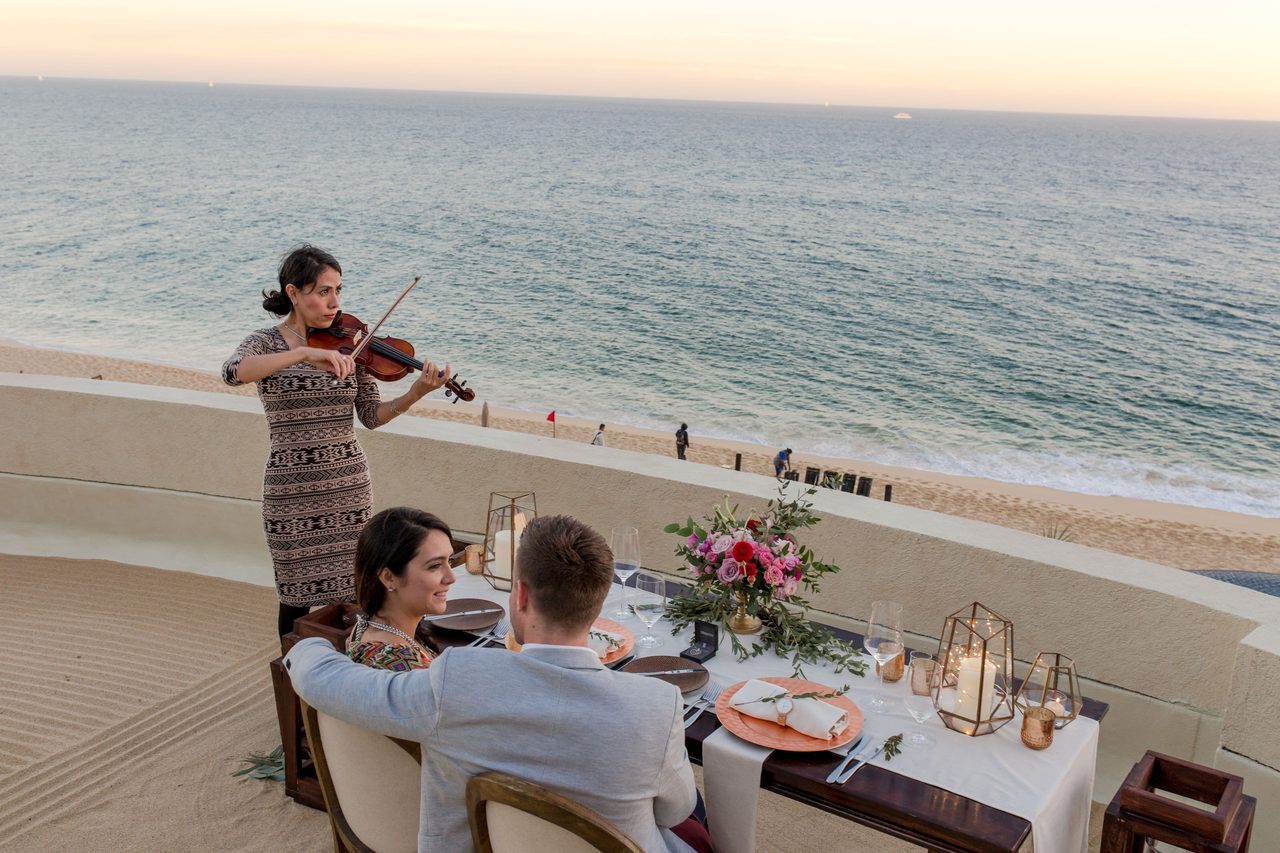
(1054, 701)
(972, 674)
(504, 552)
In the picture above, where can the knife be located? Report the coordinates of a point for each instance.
(852, 755)
(463, 613)
(858, 766)
(669, 672)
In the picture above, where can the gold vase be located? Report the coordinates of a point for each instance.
(740, 622)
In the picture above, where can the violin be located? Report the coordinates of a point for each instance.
(386, 358)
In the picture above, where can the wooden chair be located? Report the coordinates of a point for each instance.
(372, 785)
(513, 815)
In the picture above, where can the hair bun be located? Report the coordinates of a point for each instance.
(276, 302)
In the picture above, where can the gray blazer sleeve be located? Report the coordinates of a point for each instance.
(676, 795)
(400, 704)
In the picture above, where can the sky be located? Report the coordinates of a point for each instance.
(1129, 57)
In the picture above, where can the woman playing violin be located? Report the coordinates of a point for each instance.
(316, 492)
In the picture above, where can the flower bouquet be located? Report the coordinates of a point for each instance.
(751, 574)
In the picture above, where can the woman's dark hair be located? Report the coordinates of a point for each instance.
(389, 540)
(301, 267)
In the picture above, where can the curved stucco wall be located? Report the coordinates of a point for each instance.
(172, 478)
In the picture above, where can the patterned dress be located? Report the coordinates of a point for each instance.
(316, 493)
(397, 657)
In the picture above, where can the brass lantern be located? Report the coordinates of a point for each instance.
(974, 693)
(509, 512)
(1051, 684)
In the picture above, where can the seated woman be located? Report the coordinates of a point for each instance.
(402, 574)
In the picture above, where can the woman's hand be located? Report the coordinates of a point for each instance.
(430, 379)
(339, 364)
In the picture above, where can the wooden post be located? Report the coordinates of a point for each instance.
(737, 461)
(484, 414)
(888, 492)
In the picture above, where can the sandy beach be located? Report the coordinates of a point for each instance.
(1182, 536)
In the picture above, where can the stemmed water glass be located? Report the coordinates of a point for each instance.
(883, 640)
(650, 607)
(625, 544)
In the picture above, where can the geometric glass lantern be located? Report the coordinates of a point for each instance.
(973, 693)
(508, 514)
(1051, 683)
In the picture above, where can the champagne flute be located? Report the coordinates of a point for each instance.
(650, 607)
(883, 640)
(920, 708)
(625, 544)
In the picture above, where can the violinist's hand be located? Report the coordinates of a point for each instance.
(339, 364)
(430, 379)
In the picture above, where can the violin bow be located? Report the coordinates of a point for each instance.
(368, 337)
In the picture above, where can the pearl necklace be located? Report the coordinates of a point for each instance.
(391, 629)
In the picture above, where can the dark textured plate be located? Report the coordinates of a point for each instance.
(687, 682)
(479, 622)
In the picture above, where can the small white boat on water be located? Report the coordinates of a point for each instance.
(903, 115)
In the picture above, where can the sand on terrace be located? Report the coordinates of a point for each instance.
(1175, 535)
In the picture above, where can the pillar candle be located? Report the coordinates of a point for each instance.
(504, 553)
(968, 703)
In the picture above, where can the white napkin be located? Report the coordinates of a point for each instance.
(604, 644)
(812, 717)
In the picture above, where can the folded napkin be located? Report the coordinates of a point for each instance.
(812, 717)
(603, 642)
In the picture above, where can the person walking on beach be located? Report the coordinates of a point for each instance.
(682, 440)
(598, 438)
(316, 491)
(782, 461)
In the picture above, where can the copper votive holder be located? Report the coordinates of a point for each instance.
(475, 559)
(1037, 727)
(891, 671)
(922, 676)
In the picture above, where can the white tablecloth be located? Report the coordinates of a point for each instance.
(1051, 788)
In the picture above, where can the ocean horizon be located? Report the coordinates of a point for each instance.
(1089, 303)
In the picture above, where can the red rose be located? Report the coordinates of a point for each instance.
(742, 551)
(749, 571)
(753, 525)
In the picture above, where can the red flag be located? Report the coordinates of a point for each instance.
(552, 417)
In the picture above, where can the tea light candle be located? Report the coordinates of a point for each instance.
(972, 674)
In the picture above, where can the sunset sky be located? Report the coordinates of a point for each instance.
(1173, 58)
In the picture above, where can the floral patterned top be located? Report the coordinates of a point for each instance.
(396, 657)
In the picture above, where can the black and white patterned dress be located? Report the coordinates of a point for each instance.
(316, 493)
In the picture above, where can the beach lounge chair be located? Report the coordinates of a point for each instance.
(811, 476)
(513, 815)
(864, 487)
(847, 484)
(372, 784)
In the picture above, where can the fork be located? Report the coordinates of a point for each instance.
(703, 703)
(497, 632)
(859, 746)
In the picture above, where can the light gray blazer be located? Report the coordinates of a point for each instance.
(611, 741)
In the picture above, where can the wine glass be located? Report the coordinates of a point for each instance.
(883, 640)
(650, 607)
(920, 708)
(625, 544)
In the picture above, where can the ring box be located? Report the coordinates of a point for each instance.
(706, 639)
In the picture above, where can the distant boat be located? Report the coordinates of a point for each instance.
(211, 86)
(903, 115)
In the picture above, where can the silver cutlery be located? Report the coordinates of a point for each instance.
(440, 616)
(849, 774)
(669, 672)
(851, 754)
(703, 703)
(498, 633)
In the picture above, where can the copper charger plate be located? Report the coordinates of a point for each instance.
(628, 640)
(479, 622)
(687, 682)
(774, 736)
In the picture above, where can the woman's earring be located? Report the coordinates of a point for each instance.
(391, 589)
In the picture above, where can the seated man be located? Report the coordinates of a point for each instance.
(552, 713)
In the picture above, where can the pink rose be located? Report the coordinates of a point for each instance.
(773, 576)
(728, 571)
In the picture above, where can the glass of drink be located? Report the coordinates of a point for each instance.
(920, 708)
(883, 640)
(649, 607)
(625, 544)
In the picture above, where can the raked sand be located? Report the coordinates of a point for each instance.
(1182, 536)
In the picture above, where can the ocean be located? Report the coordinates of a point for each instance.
(1087, 303)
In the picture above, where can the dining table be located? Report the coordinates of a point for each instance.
(983, 794)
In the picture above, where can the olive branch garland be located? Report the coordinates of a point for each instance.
(892, 746)
(812, 694)
(785, 631)
(611, 642)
